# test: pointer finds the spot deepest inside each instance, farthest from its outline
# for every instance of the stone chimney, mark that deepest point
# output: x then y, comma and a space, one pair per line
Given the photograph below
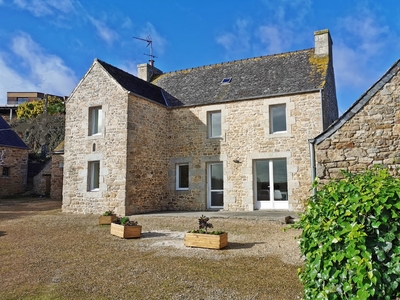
323, 43
147, 72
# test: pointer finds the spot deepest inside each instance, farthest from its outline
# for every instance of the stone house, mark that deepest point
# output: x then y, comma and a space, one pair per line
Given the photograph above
13, 161
231, 136
368, 133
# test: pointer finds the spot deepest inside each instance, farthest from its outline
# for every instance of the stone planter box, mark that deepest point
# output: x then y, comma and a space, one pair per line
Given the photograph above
210, 241
126, 232
107, 220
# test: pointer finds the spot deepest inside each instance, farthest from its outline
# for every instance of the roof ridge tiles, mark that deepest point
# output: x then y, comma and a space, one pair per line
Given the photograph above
236, 60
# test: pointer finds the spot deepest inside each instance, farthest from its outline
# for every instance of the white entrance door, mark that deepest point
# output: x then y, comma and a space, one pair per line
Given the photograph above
270, 184
215, 198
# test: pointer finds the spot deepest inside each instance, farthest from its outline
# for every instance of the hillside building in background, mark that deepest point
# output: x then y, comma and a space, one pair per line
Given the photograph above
14, 99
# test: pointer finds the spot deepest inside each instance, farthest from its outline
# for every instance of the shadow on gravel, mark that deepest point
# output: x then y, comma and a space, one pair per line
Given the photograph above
153, 234
2, 233
241, 245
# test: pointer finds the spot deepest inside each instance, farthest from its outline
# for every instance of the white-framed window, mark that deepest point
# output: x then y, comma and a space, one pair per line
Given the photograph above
182, 176
6, 172
94, 175
95, 120
277, 117
214, 124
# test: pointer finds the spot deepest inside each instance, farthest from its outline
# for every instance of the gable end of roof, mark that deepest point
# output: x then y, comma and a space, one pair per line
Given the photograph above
359, 104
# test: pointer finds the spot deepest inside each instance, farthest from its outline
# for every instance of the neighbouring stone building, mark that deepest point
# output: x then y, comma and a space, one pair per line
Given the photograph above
230, 136
13, 161
368, 133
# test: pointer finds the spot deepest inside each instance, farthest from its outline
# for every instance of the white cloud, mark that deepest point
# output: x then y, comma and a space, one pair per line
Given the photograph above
363, 41
277, 39
237, 41
103, 31
11, 81
42, 72
127, 23
41, 8
159, 43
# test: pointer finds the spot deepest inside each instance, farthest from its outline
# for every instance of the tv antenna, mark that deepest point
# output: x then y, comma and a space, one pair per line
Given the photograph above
149, 43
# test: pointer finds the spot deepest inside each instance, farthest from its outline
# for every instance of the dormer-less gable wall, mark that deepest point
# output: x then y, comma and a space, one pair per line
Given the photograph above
84, 148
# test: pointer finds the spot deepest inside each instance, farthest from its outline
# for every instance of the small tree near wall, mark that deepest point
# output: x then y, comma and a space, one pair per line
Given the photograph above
350, 238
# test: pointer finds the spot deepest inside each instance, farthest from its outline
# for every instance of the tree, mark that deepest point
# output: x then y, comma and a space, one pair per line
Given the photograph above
41, 124
50, 105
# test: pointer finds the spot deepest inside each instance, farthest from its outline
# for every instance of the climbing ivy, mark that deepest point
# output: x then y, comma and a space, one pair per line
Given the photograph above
350, 238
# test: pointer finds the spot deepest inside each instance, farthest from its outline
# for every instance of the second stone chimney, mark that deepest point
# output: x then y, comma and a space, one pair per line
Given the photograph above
323, 43
147, 72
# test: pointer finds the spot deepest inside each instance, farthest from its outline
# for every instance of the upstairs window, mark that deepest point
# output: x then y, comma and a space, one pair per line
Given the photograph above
182, 177
214, 124
94, 175
95, 120
277, 117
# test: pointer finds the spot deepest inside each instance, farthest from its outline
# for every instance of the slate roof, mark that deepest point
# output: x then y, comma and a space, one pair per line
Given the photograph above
359, 104
134, 84
8, 137
264, 76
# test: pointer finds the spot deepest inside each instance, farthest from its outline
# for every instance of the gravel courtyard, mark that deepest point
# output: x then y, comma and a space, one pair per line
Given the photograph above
46, 254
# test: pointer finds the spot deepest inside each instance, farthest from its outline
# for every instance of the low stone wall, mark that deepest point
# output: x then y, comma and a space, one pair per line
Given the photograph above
57, 168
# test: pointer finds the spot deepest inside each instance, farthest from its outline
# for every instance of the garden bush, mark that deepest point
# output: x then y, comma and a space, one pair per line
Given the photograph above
350, 238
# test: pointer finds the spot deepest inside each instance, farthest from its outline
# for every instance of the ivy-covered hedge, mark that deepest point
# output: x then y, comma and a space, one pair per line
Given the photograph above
350, 238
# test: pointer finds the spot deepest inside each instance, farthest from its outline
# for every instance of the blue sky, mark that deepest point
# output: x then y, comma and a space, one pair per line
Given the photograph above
48, 45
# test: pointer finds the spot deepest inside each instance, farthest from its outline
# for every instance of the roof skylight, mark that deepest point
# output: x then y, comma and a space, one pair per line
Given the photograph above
226, 80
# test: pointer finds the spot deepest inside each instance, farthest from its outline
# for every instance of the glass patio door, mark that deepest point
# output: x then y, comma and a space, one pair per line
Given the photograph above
215, 186
270, 184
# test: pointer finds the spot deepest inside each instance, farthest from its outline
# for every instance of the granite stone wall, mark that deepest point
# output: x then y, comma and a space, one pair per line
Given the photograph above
15, 160
57, 169
141, 142
245, 137
97, 88
42, 181
371, 136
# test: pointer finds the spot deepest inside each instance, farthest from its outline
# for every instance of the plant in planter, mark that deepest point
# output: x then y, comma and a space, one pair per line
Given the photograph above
107, 217
202, 238
125, 228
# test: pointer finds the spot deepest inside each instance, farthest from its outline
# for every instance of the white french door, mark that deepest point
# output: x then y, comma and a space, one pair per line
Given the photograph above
270, 184
215, 185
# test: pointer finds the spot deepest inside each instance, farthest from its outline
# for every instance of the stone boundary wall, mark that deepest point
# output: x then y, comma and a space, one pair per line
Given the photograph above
42, 181
57, 168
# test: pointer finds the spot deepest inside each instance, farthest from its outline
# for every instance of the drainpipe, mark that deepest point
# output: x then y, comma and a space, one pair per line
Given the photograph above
312, 162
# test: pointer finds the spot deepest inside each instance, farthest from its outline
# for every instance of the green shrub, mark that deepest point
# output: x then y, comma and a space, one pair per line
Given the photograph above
350, 238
